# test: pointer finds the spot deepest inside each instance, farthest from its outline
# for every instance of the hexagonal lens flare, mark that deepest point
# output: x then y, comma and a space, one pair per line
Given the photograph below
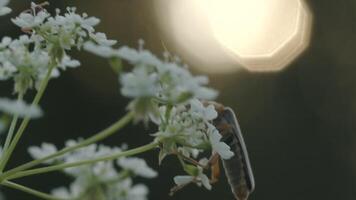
260, 35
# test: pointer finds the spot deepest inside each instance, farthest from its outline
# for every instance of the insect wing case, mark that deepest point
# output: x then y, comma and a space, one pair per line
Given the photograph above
229, 117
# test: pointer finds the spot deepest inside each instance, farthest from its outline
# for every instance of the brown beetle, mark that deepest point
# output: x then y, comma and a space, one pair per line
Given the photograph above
238, 168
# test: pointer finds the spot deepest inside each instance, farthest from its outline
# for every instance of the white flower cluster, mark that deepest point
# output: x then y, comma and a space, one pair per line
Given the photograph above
3, 9
49, 38
161, 90
102, 180
169, 95
188, 129
67, 31
153, 80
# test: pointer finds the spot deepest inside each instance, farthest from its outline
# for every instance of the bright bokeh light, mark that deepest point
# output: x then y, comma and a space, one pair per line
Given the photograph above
219, 35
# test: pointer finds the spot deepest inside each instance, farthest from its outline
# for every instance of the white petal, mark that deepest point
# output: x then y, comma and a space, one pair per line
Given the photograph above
5, 11
137, 166
182, 180
205, 181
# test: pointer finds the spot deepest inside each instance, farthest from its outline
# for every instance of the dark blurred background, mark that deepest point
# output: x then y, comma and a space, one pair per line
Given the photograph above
299, 124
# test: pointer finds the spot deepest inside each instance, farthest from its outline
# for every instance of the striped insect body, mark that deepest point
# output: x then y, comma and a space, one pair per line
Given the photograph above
238, 168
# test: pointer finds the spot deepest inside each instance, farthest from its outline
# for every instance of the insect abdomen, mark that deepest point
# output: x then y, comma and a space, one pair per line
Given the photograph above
234, 170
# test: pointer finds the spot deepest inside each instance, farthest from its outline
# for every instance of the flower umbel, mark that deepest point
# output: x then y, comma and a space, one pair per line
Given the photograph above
102, 179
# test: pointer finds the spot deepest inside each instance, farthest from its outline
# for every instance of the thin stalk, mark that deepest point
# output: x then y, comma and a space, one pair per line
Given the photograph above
26, 120
95, 138
12, 127
42, 170
29, 190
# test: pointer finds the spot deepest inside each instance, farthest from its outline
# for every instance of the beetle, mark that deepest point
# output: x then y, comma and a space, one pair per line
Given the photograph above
238, 168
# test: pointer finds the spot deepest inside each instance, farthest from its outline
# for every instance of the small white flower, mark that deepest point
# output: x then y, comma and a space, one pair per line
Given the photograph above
103, 179
127, 191
20, 108
183, 180
139, 83
102, 40
137, 192
7, 70
218, 146
199, 179
143, 57
5, 41
105, 171
61, 192
68, 62
28, 20
179, 85
137, 166
100, 50
207, 113
44, 150
3, 9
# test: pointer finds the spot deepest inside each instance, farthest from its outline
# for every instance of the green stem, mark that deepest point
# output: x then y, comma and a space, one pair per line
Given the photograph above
42, 170
99, 136
26, 120
12, 128
29, 190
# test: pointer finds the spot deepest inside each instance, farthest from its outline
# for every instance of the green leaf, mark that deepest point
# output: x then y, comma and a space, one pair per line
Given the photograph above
116, 65
191, 169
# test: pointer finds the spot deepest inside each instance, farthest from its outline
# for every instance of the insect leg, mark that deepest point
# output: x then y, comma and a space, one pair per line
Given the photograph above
215, 168
177, 188
191, 160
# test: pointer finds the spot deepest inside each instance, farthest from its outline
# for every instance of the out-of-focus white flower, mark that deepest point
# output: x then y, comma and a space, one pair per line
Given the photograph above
139, 83
3, 9
61, 192
176, 83
5, 41
138, 57
102, 179
27, 20
105, 171
102, 40
137, 192
68, 62
137, 166
20, 108
199, 179
179, 85
44, 150
218, 146
100, 50
127, 191
28, 59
